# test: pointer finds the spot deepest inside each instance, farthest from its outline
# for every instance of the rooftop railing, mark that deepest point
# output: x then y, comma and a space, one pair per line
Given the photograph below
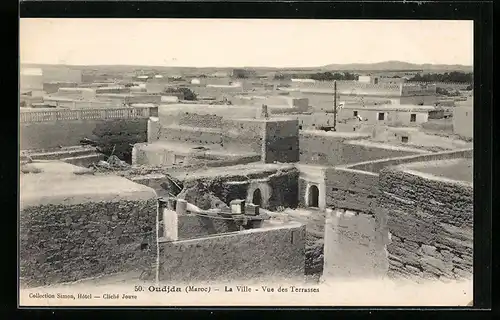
139, 112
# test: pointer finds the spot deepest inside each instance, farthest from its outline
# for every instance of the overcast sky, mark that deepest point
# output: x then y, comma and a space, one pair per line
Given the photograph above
233, 43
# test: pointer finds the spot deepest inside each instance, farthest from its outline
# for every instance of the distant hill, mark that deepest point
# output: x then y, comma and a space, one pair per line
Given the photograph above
398, 66
353, 67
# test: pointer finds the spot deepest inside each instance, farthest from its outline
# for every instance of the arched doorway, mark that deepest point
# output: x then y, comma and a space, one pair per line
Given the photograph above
257, 197
313, 196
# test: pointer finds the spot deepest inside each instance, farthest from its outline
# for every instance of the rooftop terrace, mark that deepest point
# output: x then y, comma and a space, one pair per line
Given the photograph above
62, 183
453, 169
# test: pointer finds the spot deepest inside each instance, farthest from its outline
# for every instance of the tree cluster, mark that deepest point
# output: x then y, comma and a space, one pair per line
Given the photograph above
188, 93
319, 76
454, 76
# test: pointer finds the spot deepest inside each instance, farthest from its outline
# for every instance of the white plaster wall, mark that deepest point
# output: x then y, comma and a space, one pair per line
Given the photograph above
353, 247
153, 129
322, 194
265, 191
170, 225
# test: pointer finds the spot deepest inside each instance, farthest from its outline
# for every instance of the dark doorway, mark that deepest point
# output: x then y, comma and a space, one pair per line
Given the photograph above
257, 197
313, 196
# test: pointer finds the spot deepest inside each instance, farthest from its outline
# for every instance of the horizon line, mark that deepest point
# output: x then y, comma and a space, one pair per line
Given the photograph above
260, 66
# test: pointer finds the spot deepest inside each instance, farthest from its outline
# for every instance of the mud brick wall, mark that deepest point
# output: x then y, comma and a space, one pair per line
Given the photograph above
243, 134
191, 226
430, 223
267, 253
351, 189
107, 133
187, 134
200, 120
281, 141
64, 243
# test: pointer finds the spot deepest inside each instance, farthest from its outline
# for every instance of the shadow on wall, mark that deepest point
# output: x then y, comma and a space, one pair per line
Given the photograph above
112, 136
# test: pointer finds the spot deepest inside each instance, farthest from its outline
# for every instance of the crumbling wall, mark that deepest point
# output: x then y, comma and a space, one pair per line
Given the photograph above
430, 221
64, 243
255, 254
283, 187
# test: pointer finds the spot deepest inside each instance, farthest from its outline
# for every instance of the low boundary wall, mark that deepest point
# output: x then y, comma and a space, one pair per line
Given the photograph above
368, 206
257, 254
430, 221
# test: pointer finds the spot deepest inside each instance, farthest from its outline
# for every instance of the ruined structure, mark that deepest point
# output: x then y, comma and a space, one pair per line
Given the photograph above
82, 225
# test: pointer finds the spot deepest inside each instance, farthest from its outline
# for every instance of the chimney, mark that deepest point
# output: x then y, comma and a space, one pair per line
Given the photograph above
264, 114
237, 206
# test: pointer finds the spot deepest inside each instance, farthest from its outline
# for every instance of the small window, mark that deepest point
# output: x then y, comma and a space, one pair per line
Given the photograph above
381, 116
404, 139
413, 117
355, 113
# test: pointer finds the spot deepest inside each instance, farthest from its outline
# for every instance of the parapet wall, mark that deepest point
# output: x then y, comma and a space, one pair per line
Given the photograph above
347, 86
65, 243
430, 221
376, 165
196, 120
275, 253
330, 149
113, 128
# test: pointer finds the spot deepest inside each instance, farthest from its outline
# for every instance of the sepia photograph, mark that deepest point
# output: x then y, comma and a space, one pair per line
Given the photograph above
245, 162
